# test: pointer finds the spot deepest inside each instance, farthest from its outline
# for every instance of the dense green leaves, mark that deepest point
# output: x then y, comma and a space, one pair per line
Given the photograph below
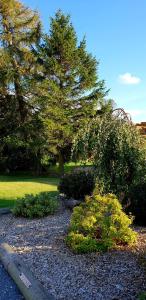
70, 76
77, 184
99, 224
37, 206
49, 85
19, 135
116, 148
20, 30
136, 199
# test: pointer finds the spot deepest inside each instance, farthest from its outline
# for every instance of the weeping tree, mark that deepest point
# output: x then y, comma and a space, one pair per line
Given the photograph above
71, 90
20, 31
116, 149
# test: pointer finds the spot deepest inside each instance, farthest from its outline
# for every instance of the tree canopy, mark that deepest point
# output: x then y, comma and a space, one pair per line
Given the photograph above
20, 30
70, 80
49, 87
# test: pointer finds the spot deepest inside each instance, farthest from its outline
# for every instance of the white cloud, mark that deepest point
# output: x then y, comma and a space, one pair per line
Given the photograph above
128, 78
135, 112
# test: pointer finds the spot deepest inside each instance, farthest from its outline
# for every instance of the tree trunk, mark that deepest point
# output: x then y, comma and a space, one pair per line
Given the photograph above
38, 167
61, 163
19, 97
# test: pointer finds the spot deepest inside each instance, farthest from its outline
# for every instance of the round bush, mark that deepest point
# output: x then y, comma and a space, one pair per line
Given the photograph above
36, 206
137, 207
99, 224
77, 184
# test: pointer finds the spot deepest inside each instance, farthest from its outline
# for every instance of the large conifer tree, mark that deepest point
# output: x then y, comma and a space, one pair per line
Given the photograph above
20, 31
73, 91
47, 90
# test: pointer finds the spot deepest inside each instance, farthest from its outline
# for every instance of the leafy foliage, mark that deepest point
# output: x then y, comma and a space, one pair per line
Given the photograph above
99, 224
77, 184
116, 149
36, 206
142, 296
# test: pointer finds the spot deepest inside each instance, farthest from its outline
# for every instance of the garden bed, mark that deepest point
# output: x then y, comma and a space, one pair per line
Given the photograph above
112, 275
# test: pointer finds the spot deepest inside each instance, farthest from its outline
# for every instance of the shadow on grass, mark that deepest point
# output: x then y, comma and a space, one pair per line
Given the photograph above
44, 180
7, 203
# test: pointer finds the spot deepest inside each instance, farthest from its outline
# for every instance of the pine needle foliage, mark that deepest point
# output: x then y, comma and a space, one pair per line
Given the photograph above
70, 76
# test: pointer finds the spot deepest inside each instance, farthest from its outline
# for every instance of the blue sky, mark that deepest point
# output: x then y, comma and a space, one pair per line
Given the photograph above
116, 34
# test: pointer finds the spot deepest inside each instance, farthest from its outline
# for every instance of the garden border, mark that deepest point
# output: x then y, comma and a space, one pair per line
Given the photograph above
29, 286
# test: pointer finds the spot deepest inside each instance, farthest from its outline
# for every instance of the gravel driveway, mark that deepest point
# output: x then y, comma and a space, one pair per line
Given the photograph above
115, 275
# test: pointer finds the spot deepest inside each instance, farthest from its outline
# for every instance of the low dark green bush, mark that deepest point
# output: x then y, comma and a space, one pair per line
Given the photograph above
77, 184
137, 199
36, 206
142, 296
99, 224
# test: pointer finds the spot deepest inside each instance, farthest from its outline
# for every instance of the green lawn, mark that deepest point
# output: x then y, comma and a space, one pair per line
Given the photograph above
68, 167
12, 187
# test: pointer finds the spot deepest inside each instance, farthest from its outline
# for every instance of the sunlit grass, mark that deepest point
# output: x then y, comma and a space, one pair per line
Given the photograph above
12, 188
69, 167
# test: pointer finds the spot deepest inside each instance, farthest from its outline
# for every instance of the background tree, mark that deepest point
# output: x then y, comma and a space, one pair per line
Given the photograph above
19, 32
72, 91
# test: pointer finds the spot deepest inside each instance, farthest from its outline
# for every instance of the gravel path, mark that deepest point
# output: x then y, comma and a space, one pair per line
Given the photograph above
115, 275
8, 290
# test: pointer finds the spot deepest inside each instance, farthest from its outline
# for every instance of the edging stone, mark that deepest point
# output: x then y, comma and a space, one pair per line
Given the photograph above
4, 211
29, 286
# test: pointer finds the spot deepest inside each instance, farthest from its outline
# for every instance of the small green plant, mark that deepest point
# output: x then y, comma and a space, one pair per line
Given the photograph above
37, 206
99, 224
142, 296
77, 184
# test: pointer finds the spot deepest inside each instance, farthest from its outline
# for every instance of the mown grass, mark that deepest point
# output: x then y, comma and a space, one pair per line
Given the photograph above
12, 187
68, 167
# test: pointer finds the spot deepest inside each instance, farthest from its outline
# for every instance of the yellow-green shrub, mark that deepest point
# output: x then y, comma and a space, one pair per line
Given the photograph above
99, 224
